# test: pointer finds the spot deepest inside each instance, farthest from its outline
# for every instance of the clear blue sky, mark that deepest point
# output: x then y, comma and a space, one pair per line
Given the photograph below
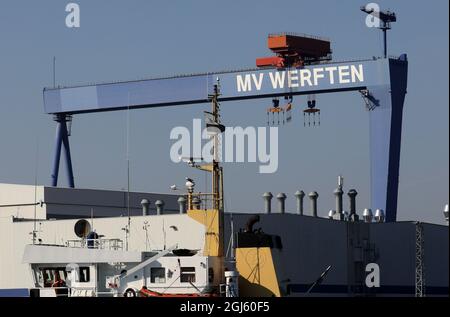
121, 40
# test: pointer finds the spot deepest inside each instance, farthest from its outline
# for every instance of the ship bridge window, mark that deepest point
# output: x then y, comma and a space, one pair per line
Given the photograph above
52, 276
157, 275
47, 277
84, 274
187, 274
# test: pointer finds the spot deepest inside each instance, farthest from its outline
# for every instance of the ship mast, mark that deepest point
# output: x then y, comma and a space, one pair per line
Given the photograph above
212, 209
214, 128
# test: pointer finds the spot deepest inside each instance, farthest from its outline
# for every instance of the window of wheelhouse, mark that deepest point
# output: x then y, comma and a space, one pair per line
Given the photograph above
187, 274
157, 275
52, 276
84, 274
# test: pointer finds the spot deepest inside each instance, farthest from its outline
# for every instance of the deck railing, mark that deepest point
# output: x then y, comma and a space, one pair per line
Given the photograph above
203, 201
106, 244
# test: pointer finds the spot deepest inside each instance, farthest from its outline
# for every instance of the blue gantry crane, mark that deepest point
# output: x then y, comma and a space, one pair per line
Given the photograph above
381, 81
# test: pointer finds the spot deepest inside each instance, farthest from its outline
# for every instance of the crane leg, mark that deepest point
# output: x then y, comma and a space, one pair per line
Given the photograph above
385, 138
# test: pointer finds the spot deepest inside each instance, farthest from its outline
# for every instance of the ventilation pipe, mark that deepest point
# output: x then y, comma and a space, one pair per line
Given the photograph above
367, 215
339, 209
299, 195
379, 215
446, 213
250, 223
313, 197
281, 197
352, 197
159, 207
182, 204
345, 215
267, 202
145, 203
331, 214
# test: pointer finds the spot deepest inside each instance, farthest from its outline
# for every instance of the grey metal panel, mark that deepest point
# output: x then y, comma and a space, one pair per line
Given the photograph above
395, 243
310, 244
436, 240
53, 254
72, 202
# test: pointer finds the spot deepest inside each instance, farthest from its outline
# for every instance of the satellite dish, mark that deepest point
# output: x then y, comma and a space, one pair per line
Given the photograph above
82, 228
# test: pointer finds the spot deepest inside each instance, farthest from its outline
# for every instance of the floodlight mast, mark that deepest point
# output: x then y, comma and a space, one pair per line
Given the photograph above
385, 17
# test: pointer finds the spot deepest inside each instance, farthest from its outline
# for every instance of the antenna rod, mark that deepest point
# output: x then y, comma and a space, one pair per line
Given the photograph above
54, 71
233, 259
128, 173
35, 191
92, 218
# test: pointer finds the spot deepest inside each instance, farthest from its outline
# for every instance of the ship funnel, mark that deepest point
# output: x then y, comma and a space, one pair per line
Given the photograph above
313, 197
281, 197
145, 203
379, 215
367, 215
446, 213
299, 195
352, 197
159, 207
182, 204
267, 196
